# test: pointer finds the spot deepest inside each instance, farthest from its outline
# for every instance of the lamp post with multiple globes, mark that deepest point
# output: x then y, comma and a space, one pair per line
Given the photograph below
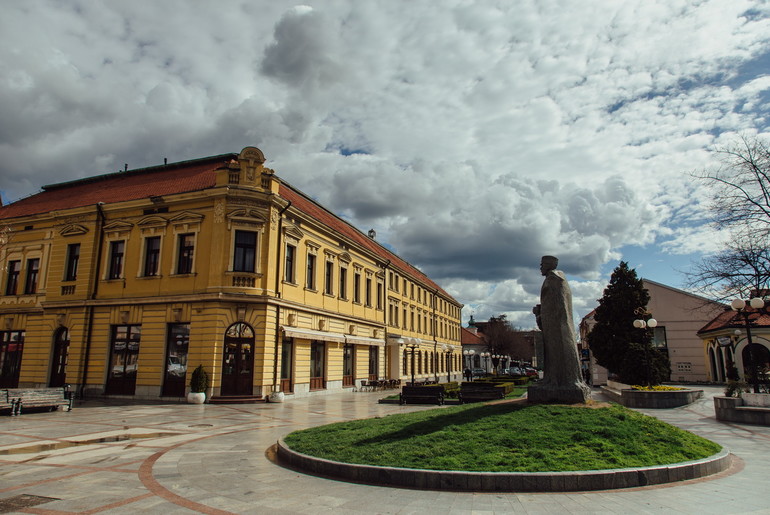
644, 323
758, 307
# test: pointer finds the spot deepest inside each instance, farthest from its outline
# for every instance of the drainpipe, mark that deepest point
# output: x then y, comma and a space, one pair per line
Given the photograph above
92, 296
276, 386
435, 340
385, 313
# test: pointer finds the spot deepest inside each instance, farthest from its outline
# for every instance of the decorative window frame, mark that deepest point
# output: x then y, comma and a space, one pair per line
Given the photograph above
311, 249
186, 222
292, 236
118, 230
149, 227
246, 220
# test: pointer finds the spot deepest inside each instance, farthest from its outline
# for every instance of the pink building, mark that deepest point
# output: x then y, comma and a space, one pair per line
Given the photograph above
680, 316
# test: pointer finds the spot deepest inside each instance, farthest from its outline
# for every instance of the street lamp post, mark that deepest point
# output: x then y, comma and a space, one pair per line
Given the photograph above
495, 362
469, 353
758, 306
644, 323
448, 350
485, 360
412, 347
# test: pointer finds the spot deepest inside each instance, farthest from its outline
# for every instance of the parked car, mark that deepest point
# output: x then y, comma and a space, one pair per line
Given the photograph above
515, 371
530, 372
479, 372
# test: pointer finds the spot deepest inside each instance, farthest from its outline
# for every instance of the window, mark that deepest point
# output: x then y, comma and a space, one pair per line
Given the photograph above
379, 295
289, 265
374, 366
186, 252
348, 359
286, 365
311, 271
33, 269
11, 348
659, 337
117, 249
151, 256
245, 251
73, 258
124, 360
368, 292
317, 368
12, 286
329, 288
343, 283
177, 345
357, 288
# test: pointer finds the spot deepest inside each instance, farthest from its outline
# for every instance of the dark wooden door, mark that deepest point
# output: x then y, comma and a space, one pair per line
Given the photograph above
238, 361
11, 348
61, 347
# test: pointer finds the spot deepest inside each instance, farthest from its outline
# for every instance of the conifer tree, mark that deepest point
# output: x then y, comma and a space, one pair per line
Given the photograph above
614, 341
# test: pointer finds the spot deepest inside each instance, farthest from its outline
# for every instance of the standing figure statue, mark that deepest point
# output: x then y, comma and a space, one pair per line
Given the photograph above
562, 379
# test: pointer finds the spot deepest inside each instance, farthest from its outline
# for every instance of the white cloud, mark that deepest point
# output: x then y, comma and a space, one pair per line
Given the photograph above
482, 136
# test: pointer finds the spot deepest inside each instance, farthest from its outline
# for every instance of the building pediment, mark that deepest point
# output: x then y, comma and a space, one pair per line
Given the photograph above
118, 226
73, 230
187, 217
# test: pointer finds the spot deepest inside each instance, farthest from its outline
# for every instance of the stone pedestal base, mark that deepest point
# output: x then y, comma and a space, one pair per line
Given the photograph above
543, 394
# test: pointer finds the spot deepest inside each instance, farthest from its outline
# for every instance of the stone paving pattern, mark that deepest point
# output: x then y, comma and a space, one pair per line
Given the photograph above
217, 459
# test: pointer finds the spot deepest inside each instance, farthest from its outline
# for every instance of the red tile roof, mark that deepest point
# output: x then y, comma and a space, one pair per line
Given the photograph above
120, 187
730, 319
468, 337
184, 177
308, 206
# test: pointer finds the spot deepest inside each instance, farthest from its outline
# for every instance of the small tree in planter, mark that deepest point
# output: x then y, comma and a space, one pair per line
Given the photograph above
199, 383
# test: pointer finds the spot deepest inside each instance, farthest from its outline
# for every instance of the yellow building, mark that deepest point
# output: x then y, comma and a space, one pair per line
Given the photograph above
121, 284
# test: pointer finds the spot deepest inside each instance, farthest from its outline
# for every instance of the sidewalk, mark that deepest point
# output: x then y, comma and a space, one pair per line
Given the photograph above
184, 458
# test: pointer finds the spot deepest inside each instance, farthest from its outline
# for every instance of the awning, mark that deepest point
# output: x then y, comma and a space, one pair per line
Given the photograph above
309, 334
363, 340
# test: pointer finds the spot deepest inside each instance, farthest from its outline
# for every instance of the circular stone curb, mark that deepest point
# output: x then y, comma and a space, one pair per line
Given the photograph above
573, 481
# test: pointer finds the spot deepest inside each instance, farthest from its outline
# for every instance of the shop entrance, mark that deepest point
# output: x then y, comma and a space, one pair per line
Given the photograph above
238, 361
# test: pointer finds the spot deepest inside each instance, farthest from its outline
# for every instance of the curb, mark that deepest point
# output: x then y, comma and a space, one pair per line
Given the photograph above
505, 481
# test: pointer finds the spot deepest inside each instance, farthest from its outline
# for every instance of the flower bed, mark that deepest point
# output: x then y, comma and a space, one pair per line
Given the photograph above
656, 398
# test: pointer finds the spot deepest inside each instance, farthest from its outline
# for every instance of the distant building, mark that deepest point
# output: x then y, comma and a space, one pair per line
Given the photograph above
119, 284
680, 315
524, 347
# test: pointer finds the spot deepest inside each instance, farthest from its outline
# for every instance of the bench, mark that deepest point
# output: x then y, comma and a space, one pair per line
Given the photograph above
480, 392
7, 402
24, 398
422, 395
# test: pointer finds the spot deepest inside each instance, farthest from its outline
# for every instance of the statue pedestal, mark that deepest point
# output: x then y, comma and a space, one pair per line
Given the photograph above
548, 394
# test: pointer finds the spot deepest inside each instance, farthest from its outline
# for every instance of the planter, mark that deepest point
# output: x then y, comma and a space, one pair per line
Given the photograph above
625, 395
736, 409
196, 397
659, 400
761, 400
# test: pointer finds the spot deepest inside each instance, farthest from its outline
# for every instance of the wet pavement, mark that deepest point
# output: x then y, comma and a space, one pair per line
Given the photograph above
181, 458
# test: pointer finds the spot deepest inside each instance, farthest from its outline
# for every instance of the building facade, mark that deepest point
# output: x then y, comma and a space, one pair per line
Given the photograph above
121, 284
680, 315
725, 341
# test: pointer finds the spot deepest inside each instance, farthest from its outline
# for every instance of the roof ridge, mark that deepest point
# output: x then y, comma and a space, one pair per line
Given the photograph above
135, 171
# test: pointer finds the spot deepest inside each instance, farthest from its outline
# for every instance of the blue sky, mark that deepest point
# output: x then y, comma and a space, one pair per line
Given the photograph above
473, 138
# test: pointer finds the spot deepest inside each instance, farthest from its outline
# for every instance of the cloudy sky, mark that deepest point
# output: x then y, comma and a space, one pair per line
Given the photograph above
474, 137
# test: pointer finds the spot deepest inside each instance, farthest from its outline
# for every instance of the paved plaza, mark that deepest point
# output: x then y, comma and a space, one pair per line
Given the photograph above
106, 456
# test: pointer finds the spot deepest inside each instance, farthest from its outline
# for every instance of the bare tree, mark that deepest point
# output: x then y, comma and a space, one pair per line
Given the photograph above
740, 189
740, 270
741, 186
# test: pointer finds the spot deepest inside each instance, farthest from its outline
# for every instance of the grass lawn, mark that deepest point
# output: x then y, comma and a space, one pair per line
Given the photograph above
512, 437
